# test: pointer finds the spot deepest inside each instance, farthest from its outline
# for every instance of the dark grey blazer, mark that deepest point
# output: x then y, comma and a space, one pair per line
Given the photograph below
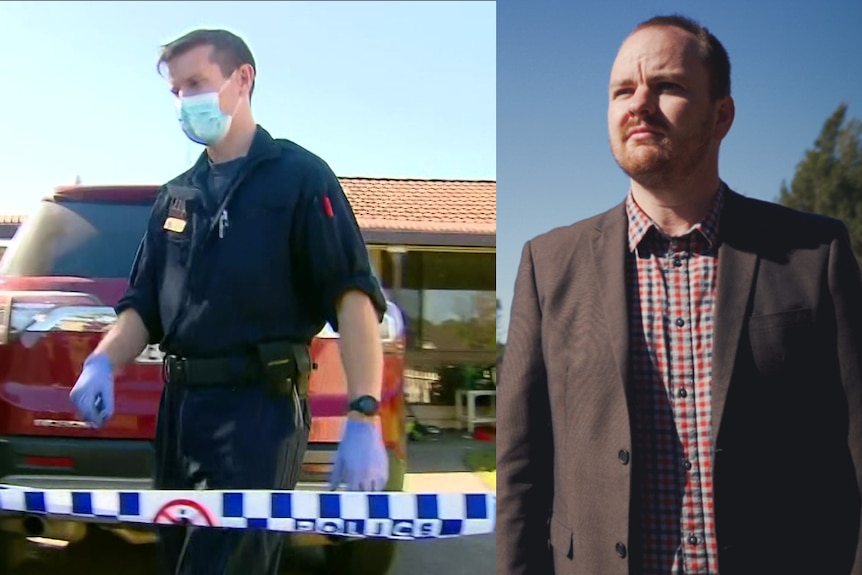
787, 400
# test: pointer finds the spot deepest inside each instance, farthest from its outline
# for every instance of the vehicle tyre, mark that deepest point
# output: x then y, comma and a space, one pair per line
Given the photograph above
365, 557
13, 552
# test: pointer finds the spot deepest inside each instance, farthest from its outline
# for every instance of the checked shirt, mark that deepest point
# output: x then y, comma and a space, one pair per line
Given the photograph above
672, 290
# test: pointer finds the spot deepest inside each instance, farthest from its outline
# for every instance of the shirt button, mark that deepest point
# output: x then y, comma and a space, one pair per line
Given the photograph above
687, 464
621, 550
682, 392
677, 262
680, 322
624, 456
692, 539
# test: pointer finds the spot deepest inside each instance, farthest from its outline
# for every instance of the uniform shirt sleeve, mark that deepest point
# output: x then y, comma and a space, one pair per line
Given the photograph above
335, 258
142, 293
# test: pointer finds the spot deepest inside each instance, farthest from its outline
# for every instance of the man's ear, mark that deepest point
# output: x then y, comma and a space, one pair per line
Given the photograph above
246, 77
725, 112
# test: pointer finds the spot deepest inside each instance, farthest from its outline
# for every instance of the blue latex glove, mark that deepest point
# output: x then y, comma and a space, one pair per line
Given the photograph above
361, 461
93, 394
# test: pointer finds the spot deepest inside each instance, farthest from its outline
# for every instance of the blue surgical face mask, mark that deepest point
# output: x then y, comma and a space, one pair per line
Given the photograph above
201, 118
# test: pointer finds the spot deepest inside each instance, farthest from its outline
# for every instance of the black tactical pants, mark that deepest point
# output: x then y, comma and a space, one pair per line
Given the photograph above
226, 438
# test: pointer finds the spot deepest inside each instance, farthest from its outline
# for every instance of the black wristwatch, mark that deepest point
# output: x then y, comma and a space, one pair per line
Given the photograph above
365, 404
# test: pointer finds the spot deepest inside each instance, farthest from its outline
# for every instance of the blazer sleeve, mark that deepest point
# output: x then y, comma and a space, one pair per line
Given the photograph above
845, 287
524, 437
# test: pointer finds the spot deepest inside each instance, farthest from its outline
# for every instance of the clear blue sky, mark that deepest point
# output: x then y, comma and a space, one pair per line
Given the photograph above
792, 61
397, 89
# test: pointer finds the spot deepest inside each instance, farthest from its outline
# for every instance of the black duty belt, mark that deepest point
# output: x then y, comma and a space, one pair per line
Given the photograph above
233, 371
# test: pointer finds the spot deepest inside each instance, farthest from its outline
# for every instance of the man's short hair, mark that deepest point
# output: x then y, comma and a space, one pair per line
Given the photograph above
712, 53
229, 51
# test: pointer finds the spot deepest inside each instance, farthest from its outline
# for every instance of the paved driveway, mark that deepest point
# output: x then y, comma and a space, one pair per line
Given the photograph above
436, 465
106, 555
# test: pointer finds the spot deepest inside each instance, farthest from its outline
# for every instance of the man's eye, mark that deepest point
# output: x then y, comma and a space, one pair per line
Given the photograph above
668, 86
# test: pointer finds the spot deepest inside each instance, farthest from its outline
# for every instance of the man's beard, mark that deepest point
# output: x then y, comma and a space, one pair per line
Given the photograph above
661, 163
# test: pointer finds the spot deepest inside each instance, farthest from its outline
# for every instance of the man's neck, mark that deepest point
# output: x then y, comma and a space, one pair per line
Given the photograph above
676, 210
237, 142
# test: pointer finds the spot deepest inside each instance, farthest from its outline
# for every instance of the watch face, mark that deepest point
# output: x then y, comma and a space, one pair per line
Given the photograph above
366, 405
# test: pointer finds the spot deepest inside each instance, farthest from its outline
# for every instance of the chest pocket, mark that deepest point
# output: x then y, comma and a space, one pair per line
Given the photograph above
780, 341
260, 231
254, 255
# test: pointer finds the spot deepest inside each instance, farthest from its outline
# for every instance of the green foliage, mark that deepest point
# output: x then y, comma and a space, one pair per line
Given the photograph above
828, 180
482, 459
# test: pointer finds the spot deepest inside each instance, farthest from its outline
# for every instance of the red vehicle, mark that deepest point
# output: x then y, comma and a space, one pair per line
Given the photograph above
66, 267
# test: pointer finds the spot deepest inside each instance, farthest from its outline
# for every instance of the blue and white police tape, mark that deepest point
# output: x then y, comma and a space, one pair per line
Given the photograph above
389, 515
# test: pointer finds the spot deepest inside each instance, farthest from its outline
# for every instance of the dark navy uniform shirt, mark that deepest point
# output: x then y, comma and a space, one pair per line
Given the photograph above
289, 247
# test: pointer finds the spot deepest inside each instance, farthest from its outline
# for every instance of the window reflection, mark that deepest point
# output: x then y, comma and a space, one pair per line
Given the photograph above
449, 303
460, 320
448, 298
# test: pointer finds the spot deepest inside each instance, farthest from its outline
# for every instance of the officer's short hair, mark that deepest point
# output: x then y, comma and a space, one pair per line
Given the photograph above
712, 53
229, 50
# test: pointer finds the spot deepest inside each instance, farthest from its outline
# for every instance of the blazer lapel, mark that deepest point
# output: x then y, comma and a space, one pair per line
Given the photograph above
609, 249
737, 262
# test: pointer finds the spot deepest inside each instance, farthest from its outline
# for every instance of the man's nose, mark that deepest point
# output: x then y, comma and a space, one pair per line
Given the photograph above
643, 102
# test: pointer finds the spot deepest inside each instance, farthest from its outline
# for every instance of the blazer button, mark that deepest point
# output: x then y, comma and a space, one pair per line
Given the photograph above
624, 456
621, 551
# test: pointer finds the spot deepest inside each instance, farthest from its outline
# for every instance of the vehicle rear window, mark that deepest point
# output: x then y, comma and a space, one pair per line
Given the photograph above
74, 238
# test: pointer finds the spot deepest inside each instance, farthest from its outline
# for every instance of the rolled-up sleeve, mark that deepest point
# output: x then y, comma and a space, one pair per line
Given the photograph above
330, 244
142, 292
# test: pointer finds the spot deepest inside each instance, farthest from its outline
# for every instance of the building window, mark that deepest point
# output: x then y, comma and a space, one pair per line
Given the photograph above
449, 299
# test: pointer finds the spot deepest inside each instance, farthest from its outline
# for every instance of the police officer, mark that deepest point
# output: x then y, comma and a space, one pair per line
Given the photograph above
245, 258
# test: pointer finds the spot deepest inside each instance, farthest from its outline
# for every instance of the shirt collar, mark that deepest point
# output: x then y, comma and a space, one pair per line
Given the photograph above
640, 224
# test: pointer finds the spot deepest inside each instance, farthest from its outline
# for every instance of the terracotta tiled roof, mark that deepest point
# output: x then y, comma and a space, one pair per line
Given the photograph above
412, 205
456, 206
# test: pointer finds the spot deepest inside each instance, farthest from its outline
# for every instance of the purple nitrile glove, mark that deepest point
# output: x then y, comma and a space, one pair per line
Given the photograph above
93, 394
361, 461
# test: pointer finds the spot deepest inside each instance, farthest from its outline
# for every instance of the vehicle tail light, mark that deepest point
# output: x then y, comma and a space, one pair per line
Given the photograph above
42, 312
